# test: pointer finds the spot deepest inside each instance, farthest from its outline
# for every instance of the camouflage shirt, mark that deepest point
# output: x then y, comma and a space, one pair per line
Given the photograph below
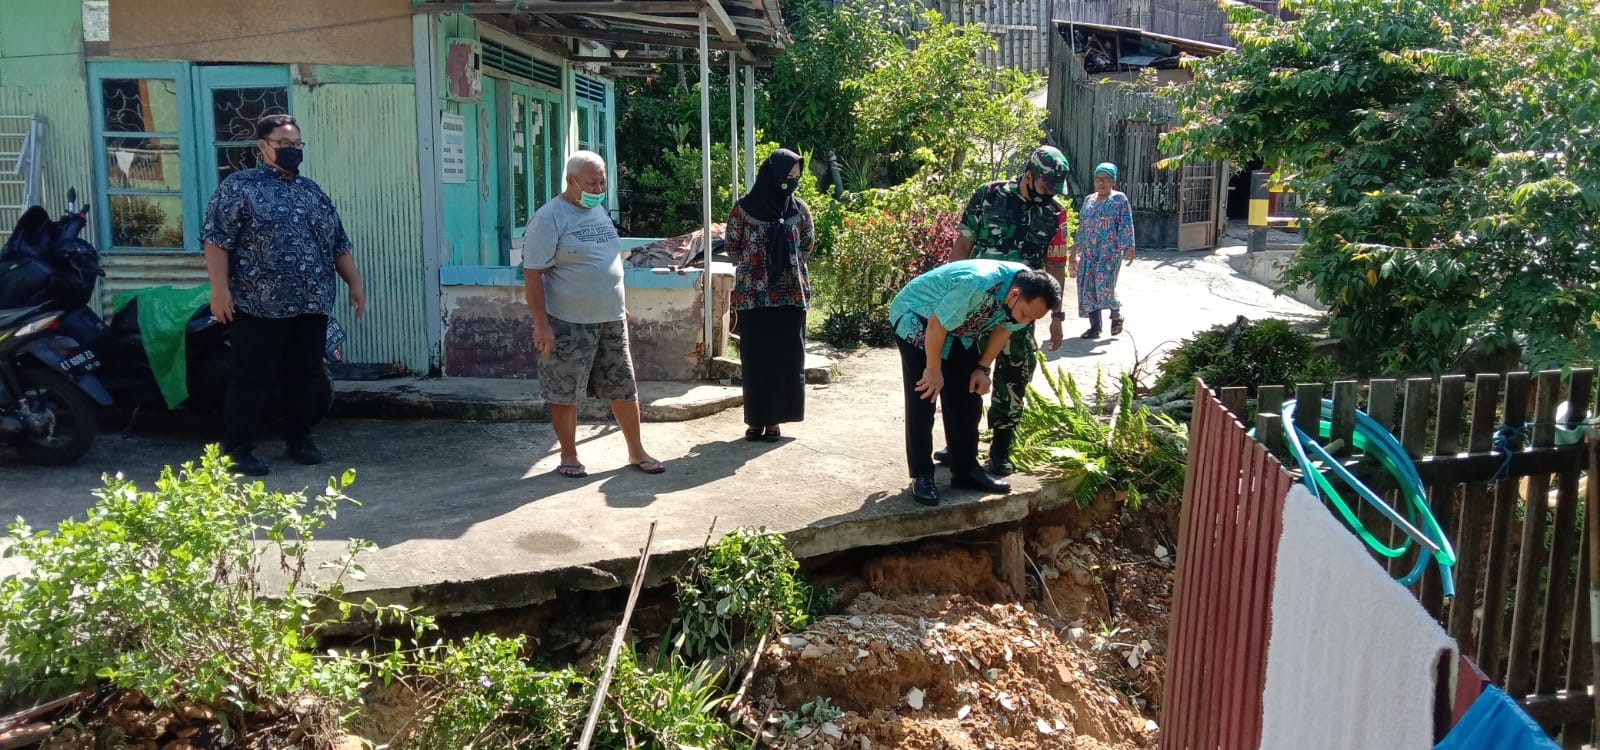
1004, 226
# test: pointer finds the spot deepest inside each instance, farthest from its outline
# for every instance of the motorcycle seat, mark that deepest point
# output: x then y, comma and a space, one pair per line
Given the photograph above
14, 314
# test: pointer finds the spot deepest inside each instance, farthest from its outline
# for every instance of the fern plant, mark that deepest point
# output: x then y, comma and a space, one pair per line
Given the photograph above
1108, 444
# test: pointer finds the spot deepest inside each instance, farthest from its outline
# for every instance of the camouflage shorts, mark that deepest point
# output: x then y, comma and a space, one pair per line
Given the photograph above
588, 358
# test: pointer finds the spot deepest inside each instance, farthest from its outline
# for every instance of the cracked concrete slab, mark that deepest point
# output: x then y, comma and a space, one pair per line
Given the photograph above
471, 515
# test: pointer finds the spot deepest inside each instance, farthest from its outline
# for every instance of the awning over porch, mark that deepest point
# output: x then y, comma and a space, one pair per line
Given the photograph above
638, 32
635, 34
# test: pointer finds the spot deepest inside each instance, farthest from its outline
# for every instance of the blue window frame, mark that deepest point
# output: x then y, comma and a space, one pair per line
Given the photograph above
165, 134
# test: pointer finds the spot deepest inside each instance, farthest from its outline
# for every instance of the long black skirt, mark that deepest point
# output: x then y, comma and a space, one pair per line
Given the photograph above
772, 349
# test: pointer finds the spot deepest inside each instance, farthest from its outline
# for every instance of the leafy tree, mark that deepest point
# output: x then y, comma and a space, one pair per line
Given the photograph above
1445, 156
808, 104
933, 100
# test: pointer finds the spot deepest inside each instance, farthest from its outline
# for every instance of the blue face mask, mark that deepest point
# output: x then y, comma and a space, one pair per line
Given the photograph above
592, 200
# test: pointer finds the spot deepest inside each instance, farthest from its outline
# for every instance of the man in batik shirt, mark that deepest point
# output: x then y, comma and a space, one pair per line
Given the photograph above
273, 244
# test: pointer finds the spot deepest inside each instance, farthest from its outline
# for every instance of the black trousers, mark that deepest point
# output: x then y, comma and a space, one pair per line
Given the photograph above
962, 409
772, 348
269, 356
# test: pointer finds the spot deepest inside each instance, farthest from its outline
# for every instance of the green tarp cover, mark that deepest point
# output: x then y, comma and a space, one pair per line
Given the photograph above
164, 314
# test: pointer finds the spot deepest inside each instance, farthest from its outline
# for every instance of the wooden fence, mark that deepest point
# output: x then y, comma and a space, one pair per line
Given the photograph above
1233, 495
1488, 455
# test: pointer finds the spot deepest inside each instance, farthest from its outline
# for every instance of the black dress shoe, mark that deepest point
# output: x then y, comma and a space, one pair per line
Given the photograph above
249, 464
924, 491
942, 456
978, 479
305, 452
1000, 468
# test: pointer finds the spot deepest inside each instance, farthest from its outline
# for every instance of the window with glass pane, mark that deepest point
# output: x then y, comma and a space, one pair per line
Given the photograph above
585, 129
555, 173
519, 163
143, 156
235, 112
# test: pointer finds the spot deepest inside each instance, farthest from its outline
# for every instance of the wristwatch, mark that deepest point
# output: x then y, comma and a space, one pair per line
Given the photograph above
983, 368
1058, 315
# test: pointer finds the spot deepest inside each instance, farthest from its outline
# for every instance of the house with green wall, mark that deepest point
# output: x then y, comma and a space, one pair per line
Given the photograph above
437, 129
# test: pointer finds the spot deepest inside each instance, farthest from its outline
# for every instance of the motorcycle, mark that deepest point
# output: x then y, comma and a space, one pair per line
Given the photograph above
48, 264
48, 392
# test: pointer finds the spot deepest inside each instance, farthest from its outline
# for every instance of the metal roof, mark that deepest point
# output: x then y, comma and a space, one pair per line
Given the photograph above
1191, 46
638, 32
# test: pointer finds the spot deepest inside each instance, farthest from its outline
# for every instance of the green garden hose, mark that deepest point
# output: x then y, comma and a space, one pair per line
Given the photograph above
1371, 437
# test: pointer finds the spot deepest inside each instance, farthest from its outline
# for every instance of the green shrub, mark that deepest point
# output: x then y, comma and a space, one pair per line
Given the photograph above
672, 198
1108, 444
158, 591
487, 696
745, 584
1243, 353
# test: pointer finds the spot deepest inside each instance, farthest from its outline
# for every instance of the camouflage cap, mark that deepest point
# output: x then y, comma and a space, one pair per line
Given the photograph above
1048, 162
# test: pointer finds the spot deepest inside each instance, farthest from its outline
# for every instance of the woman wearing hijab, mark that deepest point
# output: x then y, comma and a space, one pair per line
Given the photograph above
1105, 240
770, 235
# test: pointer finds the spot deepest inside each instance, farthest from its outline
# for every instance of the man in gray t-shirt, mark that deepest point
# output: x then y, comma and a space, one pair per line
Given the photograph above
572, 258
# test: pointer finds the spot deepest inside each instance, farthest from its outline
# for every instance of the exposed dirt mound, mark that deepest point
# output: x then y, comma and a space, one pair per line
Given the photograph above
940, 671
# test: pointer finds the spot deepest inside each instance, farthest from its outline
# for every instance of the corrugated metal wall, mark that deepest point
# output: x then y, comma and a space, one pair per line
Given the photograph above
1233, 495
1095, 122
1020, 27
1201, 20
65, 110
361, 146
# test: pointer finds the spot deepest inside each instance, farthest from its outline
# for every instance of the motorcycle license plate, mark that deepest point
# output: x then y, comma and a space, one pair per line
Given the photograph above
83, 361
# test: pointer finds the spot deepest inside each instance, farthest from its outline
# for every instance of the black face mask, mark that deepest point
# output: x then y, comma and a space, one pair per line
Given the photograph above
1011, 312
787, 187
1035, 194
289, 158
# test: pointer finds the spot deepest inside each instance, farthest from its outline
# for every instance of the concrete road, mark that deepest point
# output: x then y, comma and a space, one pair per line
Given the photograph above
467, 514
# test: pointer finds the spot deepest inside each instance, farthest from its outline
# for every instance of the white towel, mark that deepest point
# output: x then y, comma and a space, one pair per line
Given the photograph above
1352, 660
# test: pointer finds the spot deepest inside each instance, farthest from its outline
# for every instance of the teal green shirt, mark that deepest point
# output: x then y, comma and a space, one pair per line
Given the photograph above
968, 296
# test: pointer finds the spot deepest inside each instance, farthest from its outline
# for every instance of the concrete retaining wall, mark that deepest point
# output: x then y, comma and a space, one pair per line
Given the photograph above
1267, 267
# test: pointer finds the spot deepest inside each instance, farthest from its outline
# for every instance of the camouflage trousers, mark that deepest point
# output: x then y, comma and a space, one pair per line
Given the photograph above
1013, 371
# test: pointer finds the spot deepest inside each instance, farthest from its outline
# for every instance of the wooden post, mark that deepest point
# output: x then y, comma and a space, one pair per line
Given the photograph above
1499, 565
1013, 563
1520, 672
1269, 417
1414, 414
1308, 408
1345, 393
1552, 644
1235, 398
1475, 505
616, 643
1442, 497
1380, 406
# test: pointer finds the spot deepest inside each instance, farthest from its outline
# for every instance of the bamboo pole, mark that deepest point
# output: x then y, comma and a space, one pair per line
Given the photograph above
616, 644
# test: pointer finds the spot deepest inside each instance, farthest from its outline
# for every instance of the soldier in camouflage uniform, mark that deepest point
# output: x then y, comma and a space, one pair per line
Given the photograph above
1015, 220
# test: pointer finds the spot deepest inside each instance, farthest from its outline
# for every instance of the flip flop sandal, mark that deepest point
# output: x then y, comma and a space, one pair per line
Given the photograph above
650, 466
1116, 326
772, 436
1092, 333
753, 434
572, 471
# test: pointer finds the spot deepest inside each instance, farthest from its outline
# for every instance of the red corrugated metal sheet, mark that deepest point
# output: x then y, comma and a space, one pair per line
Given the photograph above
1228, 538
